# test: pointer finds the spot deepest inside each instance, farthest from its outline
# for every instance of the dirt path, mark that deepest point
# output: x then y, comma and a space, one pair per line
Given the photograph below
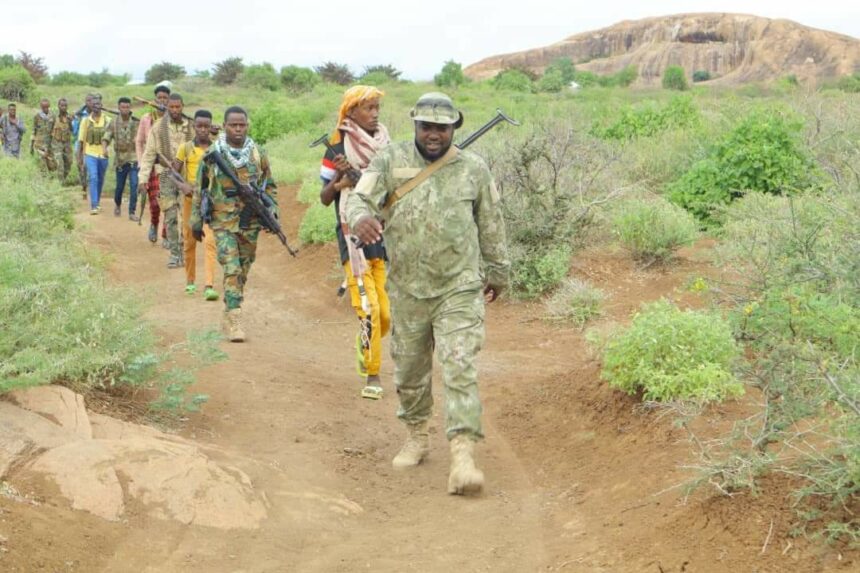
571, 467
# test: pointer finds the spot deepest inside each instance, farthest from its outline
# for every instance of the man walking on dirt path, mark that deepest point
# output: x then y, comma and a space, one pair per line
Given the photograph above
121, 132
235, 225
92, 153
11, 130
149, 180
80, 116
445, 239
165, 138
187, 162
355, 141
61, 140
43, 124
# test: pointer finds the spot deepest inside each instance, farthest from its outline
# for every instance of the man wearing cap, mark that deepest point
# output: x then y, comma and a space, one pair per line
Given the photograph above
445, 239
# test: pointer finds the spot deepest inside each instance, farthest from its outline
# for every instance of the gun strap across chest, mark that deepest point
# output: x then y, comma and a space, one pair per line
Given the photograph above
422, 176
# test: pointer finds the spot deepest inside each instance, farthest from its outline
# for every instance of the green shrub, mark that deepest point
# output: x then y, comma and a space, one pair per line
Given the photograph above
261, 76
551, 82
16, 84
309, 192
653, 230
335, 73
574, 301
380, 73
451, 75
673, 354
701, 76
513, 80
764, 153
565, 67
645, 121
850, 84
164, 71
674, 78
298, 79
586, 79
539, 270
271, 121
318, 224
227, 71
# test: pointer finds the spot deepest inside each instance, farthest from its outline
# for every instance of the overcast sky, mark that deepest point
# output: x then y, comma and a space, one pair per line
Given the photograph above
416, 37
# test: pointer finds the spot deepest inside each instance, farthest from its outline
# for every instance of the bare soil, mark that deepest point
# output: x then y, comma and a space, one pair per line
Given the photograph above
574, 470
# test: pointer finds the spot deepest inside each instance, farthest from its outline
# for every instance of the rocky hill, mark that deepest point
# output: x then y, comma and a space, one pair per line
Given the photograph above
734, 48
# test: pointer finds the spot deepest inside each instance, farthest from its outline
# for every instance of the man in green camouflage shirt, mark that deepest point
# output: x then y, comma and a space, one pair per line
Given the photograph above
43, 125
446, 246
61, 140
122, 132
235, 226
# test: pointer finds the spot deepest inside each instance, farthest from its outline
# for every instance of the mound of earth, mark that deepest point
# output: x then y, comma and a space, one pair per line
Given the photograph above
733, 48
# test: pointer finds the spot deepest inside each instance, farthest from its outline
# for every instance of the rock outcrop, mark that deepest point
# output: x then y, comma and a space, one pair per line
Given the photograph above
102, 465
733, 48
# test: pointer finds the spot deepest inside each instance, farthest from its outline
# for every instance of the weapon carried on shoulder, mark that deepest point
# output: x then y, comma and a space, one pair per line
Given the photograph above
214, 129
497, 119
353, 173
116, 113
253, 197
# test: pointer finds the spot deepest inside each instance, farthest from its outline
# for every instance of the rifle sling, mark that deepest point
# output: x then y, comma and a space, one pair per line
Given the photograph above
421, 177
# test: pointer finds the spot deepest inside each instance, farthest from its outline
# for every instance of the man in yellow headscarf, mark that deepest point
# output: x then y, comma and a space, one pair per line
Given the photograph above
355, 141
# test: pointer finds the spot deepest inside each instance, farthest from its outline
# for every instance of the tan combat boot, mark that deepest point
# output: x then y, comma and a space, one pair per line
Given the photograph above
464, 477
416, 448
232, 323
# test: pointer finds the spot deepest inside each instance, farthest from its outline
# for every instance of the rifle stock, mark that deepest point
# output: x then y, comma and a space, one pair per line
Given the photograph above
214, 129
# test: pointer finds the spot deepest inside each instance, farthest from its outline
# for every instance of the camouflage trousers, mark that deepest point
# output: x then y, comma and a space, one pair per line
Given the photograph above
236, 254
63, 159
168, 202
452, 327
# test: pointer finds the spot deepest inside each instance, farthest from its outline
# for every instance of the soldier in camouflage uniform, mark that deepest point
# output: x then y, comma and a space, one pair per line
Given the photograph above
121, 132
61, 140
236, 227
43, 125
446, 247
165, 138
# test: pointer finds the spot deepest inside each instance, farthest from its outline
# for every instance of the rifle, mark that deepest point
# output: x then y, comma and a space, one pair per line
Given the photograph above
115, 112
253, 197
357, 260
174, 174
213, 129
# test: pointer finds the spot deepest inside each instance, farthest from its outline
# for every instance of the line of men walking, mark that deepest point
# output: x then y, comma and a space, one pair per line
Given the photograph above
443, 258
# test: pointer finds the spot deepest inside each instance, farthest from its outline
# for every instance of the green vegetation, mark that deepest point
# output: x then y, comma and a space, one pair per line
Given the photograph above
260, 76
764, 152
299, 80
674, 78
649, 119
228, 71
451, 75
60, 321
318, 224
652, 230
701, 76
575, 301
164, 71
15, 83
671, 354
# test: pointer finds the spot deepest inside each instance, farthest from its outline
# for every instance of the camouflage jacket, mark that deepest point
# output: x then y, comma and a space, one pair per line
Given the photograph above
177, 134
447, 233
122, 133
42, 128
61, 132
228, 210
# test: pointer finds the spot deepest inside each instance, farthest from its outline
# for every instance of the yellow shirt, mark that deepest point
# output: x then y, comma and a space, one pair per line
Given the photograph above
93, 149
190, 160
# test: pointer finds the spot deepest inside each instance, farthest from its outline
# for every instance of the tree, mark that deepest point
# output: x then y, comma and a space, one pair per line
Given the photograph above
34, 66
701, 76
451, 75
335, 73
674, 78
16, 83
387, 70
563, 66
227, 72
298, 79
7, 61
163, 71
261, 76
626, 76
